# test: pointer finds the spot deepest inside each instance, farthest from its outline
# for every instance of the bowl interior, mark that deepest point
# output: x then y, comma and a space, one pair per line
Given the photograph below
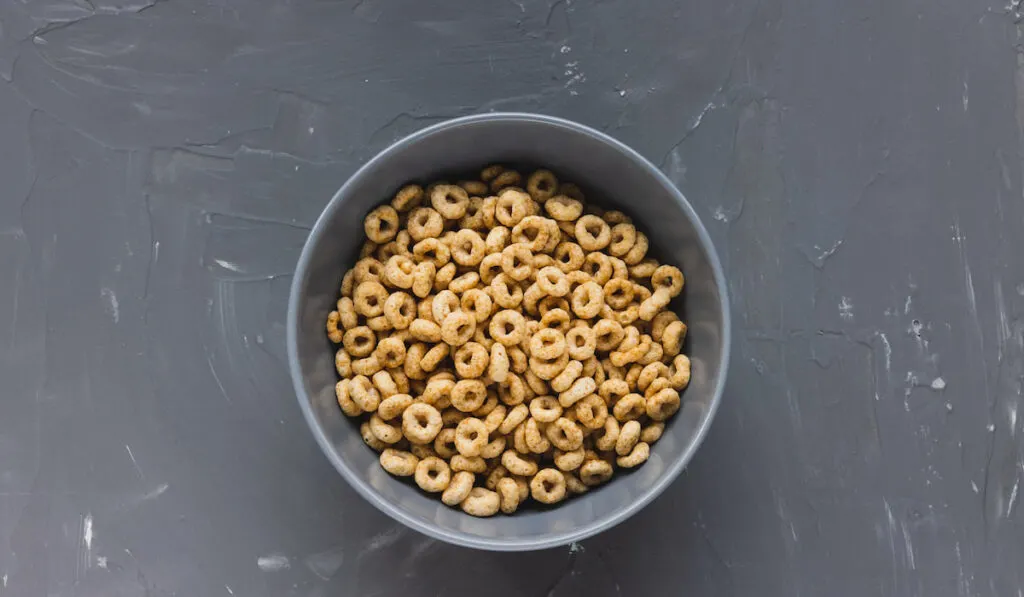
616, 178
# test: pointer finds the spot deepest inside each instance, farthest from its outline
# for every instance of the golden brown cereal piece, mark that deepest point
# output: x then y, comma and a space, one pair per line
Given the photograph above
599, 267
498, 365
474, 187
384, 431
494, 448
343, 363
618, 293
473, 464
591, 412
347, 313
649, 373
592, 233
468, 248
470, 437
548, 369
381, 225
569, 257
548, 486
663, 405
517, 261
581, 342
673, 338
434, 357
495, 418
333, 333
533, 435
400, 310
364, 394
507, 178
367, 269
384, 383
669, 278
659, 384
644, 269
449, 200
398, 463
513, 391
423, 278
519, 440
606, 437
421, 423
508, 327
433, 474
398, 270
393, 406
369, 298
587, 300
578, 391
390, 352
379, 324
471, 360
554, 316
623, 237
517, 360
490, 268
513, 419
552, 281
655, 303
563, 208
574, 485
569, 460
518, 464
444, 443
545, 409
425, 331
496, 474
413, 357
432, 250
464, 282
595, 472
639, 250
679, 372
370, 439
481, 502
630, 407
547, 344
639, 455
652, 432
468, 395
541, 185
511, 207
458, 488
629, 435
564, 380
564, 434
458, 328
477, 303
343, 391
444, 303
407, 197
534, 233
508, 492
489, 404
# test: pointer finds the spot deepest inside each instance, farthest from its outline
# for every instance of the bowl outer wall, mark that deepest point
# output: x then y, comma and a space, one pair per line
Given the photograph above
614, 176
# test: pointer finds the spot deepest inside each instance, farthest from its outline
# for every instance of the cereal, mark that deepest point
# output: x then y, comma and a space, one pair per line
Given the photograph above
501, 341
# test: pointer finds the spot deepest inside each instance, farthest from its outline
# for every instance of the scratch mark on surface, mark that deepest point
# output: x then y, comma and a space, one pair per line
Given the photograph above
228, 265
230, 592
891, 533
326, 563
87, 534
907, 303
157, 492
888, 351
216, 378
965, 98
113, 306
134, 462
908, 546
273, 563
382, 540
1013, 497
846, 308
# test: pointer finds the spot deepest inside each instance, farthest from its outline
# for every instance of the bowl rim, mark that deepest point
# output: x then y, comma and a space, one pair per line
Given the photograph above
555, 539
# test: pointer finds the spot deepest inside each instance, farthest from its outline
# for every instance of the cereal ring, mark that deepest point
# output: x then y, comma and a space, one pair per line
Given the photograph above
654, 351
673, 338
531, 298
574, 485
367, 269
615, 217
556, 319
623, 237
343, 392
490, 268
644, 269
599, 267
541, 185
552, 281
474, 187
333, 333
369, 298
563, 209
343, 363
533, 434
564, 380
385, 432
533, 232
444, 303
423, 279
652, 432
581, 342
659, 384
391, 352
407, 197
660, 322
458, 328
639, 455
548, 486
432, 250
511, 207
587, 300
608, 334
497, 239
629, 435
368, 249
421, 423
470, 437
433, 475
545, 409
663, 405
513, 391
400, 310
547, 344
507, 178
379, 324
679, 372
413, 356
498, 364
348, 282
519, 440
496, 474
633, 374
494, 448
468, 248
381, 224
370, 439
651, 306
477, 303
595, 472
592, 412
569, 257
506, 292
564, 434
481, 502
434, 356
444, 443
468, 394
458, 488
518, 465
576, 278
649, 373
385, 384
489, 404
393, 406
347, 315
495, 418
398, 463
569, 460
425, 331
508, 327
548, 369
444, 276
517, 261
639, 250
606, 437
669, 278
471, 360
473, 464
630, 407
424, 223
592, 233
518, 361
579, 390
513, 419
398, 272
508, 492
449, 200
364, 394
618, 293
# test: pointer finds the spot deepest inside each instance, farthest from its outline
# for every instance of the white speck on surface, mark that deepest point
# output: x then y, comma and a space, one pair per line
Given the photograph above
101, 561
565, 49
719, 214
888, 351
138, 469
826, 253
273, 563
230, 592
156, 250
906, 304
622, 93
975, 488
5, 580
1013, 498
938, 384
575, 548
846, 308
228, 265
87, 532
991, 427
113, 306
949, 407
965, 98
1020, 289
311, 130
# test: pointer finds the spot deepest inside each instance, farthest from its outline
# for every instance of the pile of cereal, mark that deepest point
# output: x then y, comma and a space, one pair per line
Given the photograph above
502, 344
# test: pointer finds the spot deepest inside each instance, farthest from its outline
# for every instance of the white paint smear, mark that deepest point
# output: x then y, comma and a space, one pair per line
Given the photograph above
273, 563
228, 265
87, 532
938, 384
113, 307
846, 308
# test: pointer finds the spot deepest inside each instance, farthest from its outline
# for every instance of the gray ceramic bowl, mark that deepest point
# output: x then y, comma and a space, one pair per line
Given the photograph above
611, 175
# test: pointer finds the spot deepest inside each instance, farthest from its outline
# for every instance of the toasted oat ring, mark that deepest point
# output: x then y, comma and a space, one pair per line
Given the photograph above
629, 436
564, 380
512, 206
473, 464
444, 276
333, 333
655, 303
432, 250
569, 257
533, 232
498, 364
564, 434
471, 360
433, 357
393, 406
536, 440
477, 303
563, 208
548, 369
458, 328
569, 460
673, 338
407, 197
652, 432
595, 472
552, 281
398, 462
468, 249
518, 465
556, 319
515, 416
343, 363
669, 278
423, 278
644, 269
384, 431
547, 344
391, 352
381, 224
592, 233
639, 455
476, 215
618, 293
541, 185
421, 423
385, 384
663, 405
468, 395
433, 475
639, 250
679, 372
592, 412
649, 373
578, 391
599, 267
506, 292
506, 178
458, 488
581, 342
587, 300
545, 409
481, 502
490, 268
343, 392
347, 315
508, 492
513, 391
517, 261
398, 271
660, 322
425, 330
623, 237
359, 341
548, 486
449, 200
470, 437
444, 303
608, 334
369, 298
474, 187
606, 437
444, 443
508, 327
630, 407
424, 223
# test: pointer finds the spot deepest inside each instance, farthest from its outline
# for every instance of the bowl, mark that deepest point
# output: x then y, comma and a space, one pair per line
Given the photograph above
611, 175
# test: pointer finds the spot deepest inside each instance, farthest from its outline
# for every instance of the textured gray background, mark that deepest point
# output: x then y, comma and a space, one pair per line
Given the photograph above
858, 165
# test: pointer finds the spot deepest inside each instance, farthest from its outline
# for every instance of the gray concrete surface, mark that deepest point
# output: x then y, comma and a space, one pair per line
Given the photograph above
858, 164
